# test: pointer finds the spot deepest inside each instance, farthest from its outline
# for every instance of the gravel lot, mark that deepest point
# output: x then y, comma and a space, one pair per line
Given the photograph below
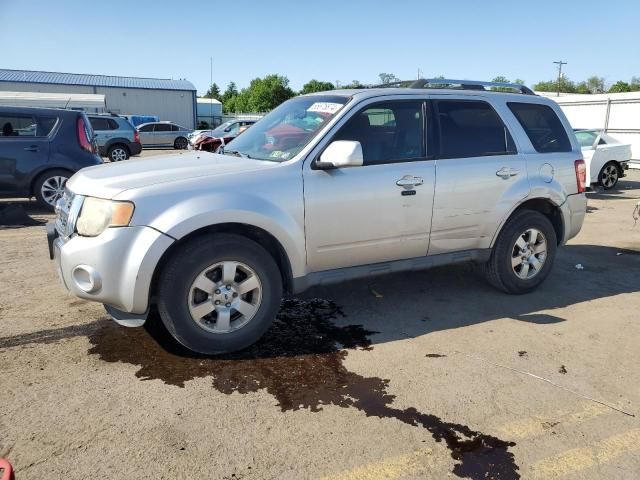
423, 375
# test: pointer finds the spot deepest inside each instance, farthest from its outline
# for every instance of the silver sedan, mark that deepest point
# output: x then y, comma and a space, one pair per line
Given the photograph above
163, 134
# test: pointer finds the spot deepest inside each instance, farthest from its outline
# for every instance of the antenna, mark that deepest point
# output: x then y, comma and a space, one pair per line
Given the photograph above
67, 104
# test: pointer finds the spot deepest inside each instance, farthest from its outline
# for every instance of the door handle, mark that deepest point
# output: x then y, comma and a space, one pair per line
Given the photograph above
507, 172
32, 148
409, 181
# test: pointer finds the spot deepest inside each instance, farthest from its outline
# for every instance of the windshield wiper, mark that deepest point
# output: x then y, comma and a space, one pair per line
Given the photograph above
235, 153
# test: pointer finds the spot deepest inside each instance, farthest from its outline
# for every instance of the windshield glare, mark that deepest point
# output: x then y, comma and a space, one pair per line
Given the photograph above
282, 133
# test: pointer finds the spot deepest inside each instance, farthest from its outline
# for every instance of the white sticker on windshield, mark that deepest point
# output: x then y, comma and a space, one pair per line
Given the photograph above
325, 107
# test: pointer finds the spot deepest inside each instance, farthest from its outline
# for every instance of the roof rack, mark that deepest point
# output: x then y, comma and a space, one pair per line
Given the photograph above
458, 85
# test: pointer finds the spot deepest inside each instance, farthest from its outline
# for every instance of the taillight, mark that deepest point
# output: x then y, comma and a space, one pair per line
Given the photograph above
83, 136
136, 136
581, 175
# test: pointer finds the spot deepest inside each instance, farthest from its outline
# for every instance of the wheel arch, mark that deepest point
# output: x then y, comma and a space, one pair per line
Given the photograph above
251, 232
117, 141
543, 205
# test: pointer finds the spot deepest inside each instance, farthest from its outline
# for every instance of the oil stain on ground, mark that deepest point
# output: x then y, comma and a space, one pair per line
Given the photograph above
300, 361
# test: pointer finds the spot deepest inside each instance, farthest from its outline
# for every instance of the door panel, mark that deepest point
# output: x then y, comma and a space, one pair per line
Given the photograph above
480, 175
361, 215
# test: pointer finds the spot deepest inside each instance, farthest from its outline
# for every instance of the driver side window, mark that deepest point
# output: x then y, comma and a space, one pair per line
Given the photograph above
388, 132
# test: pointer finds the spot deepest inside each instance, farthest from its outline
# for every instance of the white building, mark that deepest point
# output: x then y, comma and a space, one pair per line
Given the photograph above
616, 113
173, 100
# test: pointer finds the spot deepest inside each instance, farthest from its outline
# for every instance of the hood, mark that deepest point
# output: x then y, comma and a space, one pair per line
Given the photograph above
108, 180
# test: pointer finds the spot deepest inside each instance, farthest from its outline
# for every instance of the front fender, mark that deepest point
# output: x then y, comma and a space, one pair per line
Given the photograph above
194, 213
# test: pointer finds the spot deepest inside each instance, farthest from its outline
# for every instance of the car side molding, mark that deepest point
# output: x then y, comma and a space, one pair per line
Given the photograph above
338, 275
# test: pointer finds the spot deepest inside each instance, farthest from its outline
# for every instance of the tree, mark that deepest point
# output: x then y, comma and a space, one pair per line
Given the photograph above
620, 86
501, 79
566, 86
231, 91
353, 84
635, 84
262, 95
519, 81
316, 86
583, 87
595, 84
386, 78
213, 92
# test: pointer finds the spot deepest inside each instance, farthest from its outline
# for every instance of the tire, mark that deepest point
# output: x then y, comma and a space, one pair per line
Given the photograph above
118, 152
193, 281
49, 187
509, 268
180, 143
609, 176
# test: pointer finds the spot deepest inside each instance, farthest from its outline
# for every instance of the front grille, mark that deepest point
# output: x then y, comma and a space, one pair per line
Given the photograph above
67, 210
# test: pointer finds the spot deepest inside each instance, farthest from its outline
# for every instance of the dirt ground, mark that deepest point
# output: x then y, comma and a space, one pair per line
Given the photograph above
422, 375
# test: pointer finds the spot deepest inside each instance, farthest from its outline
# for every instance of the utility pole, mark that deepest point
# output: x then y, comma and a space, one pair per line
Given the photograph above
419, 74
559, 63
210, 85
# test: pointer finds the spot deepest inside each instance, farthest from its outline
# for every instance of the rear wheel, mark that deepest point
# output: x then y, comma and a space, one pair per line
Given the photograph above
523, 254
49, 187
609, 176
219, 293
180, 143
118, 152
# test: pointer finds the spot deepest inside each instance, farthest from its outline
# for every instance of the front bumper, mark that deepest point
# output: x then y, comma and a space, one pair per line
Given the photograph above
574, 209
114, 268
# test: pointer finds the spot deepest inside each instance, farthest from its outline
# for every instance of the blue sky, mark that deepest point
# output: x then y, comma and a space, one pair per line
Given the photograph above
327, 40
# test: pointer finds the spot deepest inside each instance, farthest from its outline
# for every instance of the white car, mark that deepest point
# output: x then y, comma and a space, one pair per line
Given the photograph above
606, 158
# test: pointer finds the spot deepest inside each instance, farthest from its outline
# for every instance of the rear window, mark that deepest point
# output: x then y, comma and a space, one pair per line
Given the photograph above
25, 125
542, 126
471, 129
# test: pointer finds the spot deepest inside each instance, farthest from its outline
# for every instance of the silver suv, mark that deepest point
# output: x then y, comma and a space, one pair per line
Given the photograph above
327, 187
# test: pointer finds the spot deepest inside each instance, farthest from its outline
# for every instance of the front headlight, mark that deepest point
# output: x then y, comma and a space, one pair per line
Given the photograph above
98, 214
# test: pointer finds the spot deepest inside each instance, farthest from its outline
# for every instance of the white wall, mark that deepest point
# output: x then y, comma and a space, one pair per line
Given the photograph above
173, 105
590, 111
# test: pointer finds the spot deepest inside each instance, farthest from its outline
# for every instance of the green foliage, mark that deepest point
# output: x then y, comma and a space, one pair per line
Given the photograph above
620, 86
386, 78
566, 86
213, 92
262, 95
501, 79
353, 84
595, 84
316, 86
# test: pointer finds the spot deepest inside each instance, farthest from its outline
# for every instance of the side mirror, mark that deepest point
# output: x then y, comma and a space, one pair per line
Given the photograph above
228, 129
341, 154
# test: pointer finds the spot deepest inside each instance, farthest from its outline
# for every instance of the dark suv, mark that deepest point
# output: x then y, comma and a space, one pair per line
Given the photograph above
115, 136
40, 149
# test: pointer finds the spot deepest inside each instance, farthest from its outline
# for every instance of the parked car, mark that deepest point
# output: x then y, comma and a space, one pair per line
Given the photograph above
40, 149
327, 187
115, 136
607, 159
163, 134
210, 143
228, 130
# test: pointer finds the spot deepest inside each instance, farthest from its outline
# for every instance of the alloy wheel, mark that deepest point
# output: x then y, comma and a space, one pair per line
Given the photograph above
529, 254
118, 154
609, 176
52, 189
224, 297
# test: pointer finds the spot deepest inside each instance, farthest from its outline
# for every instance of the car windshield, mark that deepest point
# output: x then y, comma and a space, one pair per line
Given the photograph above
282, 133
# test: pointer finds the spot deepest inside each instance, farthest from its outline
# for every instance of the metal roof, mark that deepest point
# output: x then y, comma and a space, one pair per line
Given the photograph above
31, 76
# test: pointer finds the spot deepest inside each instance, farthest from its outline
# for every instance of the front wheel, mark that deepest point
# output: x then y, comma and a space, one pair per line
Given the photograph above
219, 293
523, 254
609, 176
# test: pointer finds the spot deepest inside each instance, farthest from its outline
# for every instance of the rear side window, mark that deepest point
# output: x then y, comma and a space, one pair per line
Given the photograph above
98, 123
471, 128
163, 127
543, 127
147, 128
25, 126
